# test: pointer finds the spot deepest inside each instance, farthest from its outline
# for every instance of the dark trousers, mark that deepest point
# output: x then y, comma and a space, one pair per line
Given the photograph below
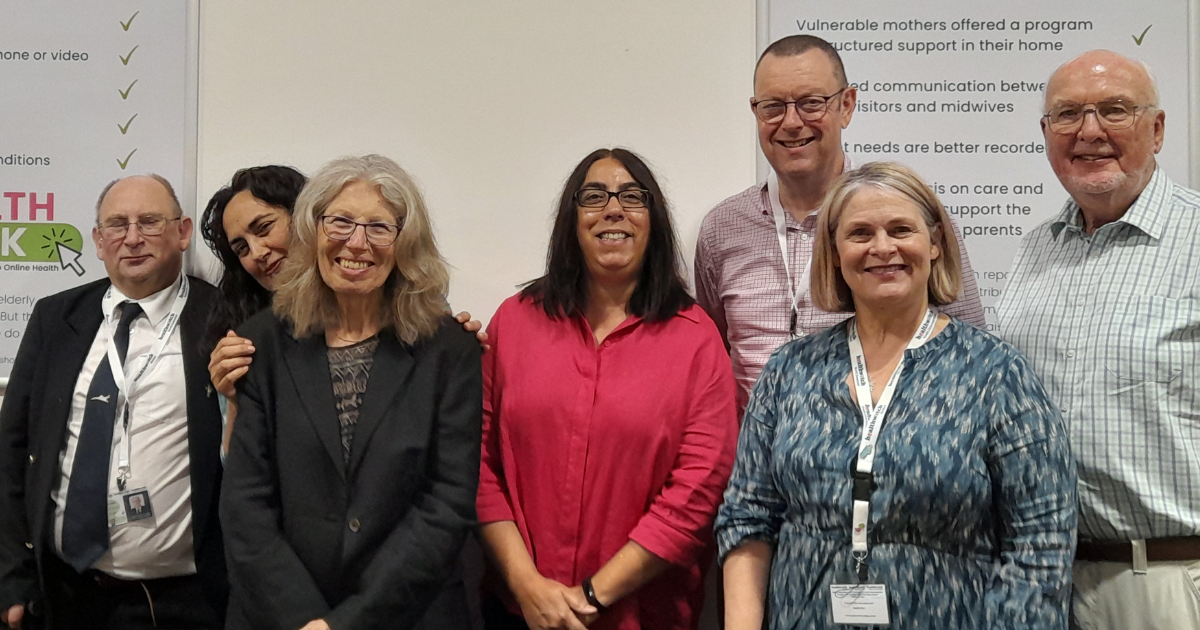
95, 601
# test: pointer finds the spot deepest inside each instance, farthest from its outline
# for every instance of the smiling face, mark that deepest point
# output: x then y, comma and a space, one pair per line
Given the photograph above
796, 148
1100, 166
884, 249
354, 267
258, 234
137, 264
613, 238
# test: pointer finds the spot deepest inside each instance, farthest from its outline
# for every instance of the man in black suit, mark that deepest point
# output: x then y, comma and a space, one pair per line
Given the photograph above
110, 438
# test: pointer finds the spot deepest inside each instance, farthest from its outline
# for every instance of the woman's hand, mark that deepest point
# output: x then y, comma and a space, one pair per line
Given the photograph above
229, 361
549, 605
316, 624
12, 617
587, 619
475, 326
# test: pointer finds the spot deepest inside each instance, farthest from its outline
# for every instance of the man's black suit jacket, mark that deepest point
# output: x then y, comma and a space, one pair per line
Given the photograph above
33, 424
368, 544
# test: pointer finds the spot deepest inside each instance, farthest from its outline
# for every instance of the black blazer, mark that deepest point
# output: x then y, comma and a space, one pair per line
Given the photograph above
364, 545
33, 423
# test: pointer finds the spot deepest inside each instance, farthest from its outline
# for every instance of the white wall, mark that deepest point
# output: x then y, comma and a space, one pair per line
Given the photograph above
488, 104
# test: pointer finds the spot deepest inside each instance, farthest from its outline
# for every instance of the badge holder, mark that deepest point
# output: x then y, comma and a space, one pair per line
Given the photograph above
128, 506
856, 604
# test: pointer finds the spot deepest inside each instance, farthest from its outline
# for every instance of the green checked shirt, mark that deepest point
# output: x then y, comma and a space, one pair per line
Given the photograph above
1111, 322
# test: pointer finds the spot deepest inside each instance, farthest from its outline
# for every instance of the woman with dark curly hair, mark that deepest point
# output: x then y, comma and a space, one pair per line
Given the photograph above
247, 224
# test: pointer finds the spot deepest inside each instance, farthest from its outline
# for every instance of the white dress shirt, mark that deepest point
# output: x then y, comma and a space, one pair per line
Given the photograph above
161, 546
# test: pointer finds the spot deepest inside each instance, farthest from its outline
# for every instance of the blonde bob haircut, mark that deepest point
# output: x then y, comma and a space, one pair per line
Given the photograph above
414, 293
829, 289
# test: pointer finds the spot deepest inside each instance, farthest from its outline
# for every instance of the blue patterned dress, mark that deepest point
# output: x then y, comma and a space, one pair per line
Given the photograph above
973, 515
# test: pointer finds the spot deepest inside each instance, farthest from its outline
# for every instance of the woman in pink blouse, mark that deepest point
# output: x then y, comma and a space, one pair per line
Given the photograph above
609, 420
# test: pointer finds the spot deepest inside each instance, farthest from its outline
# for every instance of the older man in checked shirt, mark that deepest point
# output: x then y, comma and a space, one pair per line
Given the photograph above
757, 296
1104, 298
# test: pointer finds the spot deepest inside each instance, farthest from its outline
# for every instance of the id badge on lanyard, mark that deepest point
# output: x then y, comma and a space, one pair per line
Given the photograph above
125, 389
798, 288
854, 601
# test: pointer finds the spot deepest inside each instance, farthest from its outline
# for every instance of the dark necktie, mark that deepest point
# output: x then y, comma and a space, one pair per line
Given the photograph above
85, 520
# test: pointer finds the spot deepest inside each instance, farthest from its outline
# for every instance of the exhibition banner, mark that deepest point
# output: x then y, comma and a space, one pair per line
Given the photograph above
92, 91
955, 89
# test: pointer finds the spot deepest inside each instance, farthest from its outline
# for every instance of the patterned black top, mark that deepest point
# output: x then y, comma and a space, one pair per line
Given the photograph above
349, 368
972, 519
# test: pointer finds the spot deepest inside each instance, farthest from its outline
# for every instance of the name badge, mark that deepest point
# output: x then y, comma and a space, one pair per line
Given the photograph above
859, 604
129, 507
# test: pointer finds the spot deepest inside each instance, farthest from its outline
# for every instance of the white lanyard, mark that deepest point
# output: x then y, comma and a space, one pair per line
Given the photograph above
873, 415
124, 471
800, 288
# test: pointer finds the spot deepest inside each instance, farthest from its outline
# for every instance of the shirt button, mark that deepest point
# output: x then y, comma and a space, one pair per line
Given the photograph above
32, 458
29, 545
1080, 302
355, 526
1070, 354
803, 236
1063, 409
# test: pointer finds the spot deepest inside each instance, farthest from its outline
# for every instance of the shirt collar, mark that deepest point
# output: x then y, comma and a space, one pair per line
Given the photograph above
690, 314
762, 187
1148, 212
156, 305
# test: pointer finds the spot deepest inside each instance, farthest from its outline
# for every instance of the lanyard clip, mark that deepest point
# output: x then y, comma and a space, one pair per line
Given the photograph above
864, 483
123, 475
860, 566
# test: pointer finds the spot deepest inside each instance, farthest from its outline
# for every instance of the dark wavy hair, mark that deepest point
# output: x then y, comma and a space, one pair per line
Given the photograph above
242, 295
661, 289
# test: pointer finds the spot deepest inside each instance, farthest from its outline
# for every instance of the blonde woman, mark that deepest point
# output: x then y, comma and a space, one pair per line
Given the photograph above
352, 471
901, 468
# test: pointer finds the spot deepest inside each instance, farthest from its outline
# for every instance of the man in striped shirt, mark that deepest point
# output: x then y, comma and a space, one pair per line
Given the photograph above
1104, 298
757, 294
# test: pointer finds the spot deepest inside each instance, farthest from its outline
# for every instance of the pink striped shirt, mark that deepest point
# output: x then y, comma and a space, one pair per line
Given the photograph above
742, 284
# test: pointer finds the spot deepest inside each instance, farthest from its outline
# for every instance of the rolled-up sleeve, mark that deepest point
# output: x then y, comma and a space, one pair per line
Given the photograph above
1034, 478
753, 508
675, 528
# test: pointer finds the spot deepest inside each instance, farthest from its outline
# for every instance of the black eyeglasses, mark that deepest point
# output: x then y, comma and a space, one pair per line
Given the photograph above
153, 225
378, 233
1111, 114
630, 198
810, 108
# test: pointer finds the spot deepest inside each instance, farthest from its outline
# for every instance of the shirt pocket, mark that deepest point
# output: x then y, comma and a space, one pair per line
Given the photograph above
1152, 355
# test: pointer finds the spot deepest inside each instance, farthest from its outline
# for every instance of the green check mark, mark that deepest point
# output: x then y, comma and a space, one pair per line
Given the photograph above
124, 128
125, 93
126, 58
1137, 39
126, 25
125, 162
